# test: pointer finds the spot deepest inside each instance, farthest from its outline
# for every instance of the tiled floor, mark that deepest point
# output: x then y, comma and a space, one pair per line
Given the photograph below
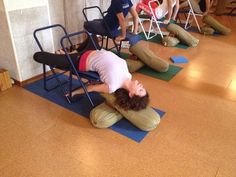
196, 138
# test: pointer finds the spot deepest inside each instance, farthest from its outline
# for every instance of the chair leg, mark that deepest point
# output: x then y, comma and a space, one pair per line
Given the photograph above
140, 22
191, 12
107, 40
187, 21
158, 26
47, 78
60, 84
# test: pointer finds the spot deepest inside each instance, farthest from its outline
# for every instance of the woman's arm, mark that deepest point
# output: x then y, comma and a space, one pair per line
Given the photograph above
135, 19
122, 23
208, 6
176, 9
170, 11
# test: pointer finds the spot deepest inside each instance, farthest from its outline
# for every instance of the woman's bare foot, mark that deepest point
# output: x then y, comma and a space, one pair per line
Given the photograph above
78, 91
133, 57
60, 52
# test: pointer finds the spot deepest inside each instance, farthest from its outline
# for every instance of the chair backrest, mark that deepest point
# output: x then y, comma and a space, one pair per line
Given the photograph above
101, 14
38, 30
194, 6
64, 61
152, 3
87, 9
88, 44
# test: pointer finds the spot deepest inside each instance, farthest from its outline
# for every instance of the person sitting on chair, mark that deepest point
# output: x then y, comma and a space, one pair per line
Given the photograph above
199, 6
115, 18
162, 10
210, 24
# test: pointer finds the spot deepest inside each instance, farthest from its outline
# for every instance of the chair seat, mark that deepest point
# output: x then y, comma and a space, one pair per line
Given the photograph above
89, 75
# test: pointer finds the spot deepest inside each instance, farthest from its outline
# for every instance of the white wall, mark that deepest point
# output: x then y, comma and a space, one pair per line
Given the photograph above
23, 17
22, 4
18, 20
7, 55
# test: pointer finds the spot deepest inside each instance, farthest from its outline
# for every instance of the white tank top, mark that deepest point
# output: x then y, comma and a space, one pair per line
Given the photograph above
112, 69
162, 9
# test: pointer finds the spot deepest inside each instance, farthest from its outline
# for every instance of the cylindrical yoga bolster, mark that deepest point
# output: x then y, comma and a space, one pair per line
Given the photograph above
146, 119
134, 65
169, 41
207, 30
149, 58
103, 116
182, 35
216, 25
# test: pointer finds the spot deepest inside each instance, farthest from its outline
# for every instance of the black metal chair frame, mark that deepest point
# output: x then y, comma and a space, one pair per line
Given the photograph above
109, 36
91, 76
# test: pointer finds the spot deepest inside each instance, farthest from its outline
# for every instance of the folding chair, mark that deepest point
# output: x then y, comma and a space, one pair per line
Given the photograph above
192, 13
149, 15
106, 35
66, 63
233, 9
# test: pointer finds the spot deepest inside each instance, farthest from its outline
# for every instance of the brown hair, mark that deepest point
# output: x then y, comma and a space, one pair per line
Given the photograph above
126, 102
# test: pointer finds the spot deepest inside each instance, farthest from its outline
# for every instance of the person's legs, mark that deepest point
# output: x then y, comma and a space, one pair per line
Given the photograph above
183, 4
202, 5
95, 27
88, 44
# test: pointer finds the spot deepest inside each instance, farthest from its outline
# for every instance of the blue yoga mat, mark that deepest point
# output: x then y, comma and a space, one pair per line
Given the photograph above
83, 107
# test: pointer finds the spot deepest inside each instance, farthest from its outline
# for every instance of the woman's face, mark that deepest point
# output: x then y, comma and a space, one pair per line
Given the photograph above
137, 89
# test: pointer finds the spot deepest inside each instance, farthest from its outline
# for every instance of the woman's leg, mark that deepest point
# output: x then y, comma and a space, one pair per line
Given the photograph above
183, 4
95, 27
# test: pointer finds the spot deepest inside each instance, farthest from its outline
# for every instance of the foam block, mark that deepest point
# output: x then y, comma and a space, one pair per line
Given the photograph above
179, 59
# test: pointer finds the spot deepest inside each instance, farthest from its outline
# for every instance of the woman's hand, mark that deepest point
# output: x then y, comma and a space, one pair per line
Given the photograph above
166, 21
205, 13
119, 38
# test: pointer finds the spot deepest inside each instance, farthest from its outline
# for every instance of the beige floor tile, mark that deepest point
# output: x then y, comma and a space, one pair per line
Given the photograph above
227, 168
41, 158
12, 138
